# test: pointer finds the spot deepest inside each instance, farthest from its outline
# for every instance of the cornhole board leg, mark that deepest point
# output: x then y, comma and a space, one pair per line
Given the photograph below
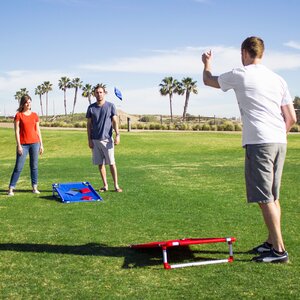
185, 242
199, 263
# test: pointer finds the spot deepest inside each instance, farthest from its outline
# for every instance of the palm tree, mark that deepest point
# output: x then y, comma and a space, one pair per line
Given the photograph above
169, 86
64, 83
47, 87
188, 86
19, 94
76, 83
87, 92
39, 90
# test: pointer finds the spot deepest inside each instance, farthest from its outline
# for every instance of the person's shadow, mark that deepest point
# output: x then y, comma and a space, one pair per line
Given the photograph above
3, 192
133, 258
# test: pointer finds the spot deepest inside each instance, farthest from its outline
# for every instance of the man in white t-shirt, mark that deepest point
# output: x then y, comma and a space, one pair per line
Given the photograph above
267, 114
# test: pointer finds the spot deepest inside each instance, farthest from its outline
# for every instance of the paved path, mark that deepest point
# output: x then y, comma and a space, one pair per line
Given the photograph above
6, 125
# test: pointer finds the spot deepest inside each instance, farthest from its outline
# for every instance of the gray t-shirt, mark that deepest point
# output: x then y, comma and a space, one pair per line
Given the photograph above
101, 117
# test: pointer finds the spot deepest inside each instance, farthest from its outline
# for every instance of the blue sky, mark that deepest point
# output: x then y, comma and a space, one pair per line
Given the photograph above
134, 44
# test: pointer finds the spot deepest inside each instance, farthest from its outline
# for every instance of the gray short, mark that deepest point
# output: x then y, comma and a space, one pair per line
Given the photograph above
103, 152
263, 170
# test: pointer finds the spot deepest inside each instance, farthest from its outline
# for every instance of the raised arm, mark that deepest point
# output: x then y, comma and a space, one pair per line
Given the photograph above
208, 78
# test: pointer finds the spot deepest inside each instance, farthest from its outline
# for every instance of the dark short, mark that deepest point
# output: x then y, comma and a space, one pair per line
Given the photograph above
263, 170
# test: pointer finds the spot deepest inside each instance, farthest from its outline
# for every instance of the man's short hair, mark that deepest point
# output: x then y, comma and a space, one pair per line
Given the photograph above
254, 46
100, 86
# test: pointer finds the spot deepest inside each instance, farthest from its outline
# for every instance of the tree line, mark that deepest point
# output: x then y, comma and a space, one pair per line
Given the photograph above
168, 87
64, 84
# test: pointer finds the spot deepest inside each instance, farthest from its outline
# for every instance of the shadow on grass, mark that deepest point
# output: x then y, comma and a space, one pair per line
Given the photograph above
133, 258
23, 191
48, 197
51, 198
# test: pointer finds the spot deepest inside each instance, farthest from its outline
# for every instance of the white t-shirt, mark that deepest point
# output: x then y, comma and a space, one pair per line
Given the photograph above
260, 94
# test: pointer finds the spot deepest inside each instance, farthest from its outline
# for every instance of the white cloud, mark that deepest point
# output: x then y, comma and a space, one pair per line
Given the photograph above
279, 61
12, 81
175, 62
188, 61
16, 79
293, 44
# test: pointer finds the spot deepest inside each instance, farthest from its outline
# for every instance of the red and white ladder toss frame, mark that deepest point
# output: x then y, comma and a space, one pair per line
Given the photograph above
186, 242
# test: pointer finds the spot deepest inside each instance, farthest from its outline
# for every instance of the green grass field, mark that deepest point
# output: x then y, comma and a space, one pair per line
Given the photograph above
176, 185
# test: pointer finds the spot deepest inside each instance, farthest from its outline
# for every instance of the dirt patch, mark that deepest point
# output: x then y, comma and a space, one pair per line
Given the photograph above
123, 117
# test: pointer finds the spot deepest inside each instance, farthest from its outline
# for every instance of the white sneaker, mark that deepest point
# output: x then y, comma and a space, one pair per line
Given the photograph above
10, 193
36, 191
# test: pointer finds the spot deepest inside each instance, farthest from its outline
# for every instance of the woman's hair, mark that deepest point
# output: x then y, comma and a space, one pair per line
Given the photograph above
254, 46
23, 100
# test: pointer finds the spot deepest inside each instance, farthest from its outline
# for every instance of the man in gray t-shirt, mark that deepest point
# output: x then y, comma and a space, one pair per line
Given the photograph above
101, 121
101, 117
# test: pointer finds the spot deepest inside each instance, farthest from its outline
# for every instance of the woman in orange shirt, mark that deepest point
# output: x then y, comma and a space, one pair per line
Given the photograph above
29, 140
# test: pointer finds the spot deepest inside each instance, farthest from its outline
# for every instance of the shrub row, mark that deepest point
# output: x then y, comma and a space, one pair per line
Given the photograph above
63, 124
226, 126
295, 128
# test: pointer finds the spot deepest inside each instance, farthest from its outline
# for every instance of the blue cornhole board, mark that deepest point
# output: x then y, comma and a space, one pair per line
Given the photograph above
74, 192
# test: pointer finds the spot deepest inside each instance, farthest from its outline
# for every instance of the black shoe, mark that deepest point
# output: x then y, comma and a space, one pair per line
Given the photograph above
272, 257
263, 248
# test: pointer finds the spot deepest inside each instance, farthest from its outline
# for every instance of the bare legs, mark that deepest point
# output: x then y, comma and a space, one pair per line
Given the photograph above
114, 173
102, 171
272, 216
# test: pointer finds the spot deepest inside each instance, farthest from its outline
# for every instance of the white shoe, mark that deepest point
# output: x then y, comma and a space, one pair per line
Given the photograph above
36, 191
10, 193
